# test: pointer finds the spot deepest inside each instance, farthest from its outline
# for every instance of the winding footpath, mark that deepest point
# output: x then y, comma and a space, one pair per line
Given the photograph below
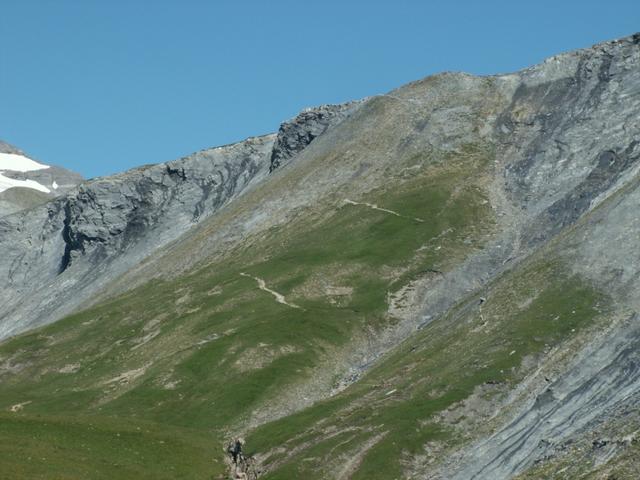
278, 296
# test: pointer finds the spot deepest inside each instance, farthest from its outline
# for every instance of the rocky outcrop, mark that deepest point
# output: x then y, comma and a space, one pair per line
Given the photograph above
107, 216
294, 135
17, 199
8, 148
98, 230
62, 252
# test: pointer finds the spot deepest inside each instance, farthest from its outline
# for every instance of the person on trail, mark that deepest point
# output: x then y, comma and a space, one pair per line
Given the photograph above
235, 450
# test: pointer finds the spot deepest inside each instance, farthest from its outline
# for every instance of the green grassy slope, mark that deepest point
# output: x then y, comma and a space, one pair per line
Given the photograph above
411, 399
188, 360
36, 446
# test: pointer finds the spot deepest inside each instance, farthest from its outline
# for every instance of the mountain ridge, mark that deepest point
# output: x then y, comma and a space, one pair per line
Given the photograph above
84, 217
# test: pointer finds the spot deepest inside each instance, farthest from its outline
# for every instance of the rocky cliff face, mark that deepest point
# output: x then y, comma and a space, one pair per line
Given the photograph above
92, 234
294, 135
106, 217
62, 252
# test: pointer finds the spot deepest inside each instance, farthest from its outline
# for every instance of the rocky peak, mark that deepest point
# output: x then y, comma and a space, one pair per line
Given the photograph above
25, 182
99, 229
294, 135
103, 217
8, 148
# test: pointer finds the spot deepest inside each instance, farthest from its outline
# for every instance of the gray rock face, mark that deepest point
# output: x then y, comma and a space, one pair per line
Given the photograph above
572, 120
59, 254
600, 379
105, 217
98, 230
294, 135
17, 199
604, 376
8, 148
569, 140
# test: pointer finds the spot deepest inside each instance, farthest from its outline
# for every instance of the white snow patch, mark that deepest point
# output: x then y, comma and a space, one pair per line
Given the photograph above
7, 183
19, 163
54, 185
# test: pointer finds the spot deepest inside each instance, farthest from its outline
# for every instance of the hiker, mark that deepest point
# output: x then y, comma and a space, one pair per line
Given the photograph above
235, 450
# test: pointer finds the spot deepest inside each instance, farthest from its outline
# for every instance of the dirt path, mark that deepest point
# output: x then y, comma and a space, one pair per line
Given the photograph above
278, 296
19, 406
375, 207
352, 464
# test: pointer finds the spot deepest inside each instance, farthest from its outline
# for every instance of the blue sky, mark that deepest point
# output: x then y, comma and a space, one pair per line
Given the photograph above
102, 86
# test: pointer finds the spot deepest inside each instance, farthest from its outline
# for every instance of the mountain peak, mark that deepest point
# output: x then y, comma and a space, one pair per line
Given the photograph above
25, 182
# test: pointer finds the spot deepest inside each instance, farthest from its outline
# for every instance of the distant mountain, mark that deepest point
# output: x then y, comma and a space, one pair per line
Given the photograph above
439, 283
25, 183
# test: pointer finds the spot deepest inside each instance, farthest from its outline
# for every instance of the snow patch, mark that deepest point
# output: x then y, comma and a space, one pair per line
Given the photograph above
7, 183
19, 163
54, 185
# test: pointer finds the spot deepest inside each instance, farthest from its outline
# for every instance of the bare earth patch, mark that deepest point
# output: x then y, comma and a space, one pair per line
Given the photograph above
351, 465
128, 376
385, 210
69, 368
9, 365
19, 406
261, 356
278, 296
406, 303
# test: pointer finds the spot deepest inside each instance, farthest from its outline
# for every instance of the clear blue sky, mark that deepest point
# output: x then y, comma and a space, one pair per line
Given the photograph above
101, 86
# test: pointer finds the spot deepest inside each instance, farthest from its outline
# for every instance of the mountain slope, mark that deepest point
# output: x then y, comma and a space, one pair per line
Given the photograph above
62, 253
440, 285
25, 183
